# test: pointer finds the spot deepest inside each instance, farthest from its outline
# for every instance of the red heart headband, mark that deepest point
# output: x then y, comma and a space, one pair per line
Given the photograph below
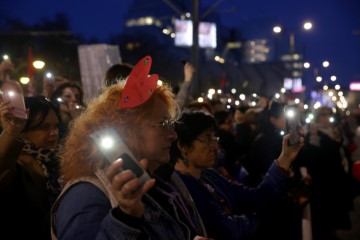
139, 86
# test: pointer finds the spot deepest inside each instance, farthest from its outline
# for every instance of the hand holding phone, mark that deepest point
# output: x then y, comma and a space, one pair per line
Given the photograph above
113, 147
17, 103
293, 124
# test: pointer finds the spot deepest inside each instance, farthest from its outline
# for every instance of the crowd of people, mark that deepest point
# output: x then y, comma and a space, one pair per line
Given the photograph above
212, 172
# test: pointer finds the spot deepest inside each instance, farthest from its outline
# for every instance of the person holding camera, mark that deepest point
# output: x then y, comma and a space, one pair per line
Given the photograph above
103, 198
228, 208
29, 168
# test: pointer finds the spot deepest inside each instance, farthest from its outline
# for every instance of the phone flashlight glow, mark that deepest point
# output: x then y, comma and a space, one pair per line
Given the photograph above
107, 142
290, 113
11, 93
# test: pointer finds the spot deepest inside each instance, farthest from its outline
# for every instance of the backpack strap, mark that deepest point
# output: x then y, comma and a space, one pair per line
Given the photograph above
99, 180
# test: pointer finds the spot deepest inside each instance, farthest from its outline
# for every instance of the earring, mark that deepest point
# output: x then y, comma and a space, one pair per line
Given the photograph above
185, 161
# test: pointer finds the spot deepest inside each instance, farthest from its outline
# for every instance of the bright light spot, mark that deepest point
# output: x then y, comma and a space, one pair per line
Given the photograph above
173, 35
188, 15
6, 57
211, 91
307, 120
333, 98
200, 99
282, 133
49, 75
233, 90
306, 106
237, 102
210, 96
325, 87
159, 82
229, 100
297, 101
317, 105
38, 64
307, 25
254, 95
277, 29
219, 91
325, 64
107, 142
311, 116
228, 106
318, 79
59, 99
11, 93
277, 95
331, 94
306, 65
337, 87
242, 97
333, 78
24, 80
340, 94
253, 103
332, 119
290, 113
283, 90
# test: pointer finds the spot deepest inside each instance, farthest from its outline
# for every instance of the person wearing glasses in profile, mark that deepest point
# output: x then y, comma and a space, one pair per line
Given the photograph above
226, 207
110, 196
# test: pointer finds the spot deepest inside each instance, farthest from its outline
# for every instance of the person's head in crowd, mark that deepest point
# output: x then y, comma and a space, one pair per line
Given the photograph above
197, 144
196, 105
225, 120
252, 117
69, 93
146, 129
276, 115
42, 126
264, 99
323, 116
239, 115
116, 73
216, 105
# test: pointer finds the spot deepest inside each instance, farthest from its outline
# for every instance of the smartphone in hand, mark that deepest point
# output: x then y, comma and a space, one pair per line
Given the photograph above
293, 124
17, 103
113, 147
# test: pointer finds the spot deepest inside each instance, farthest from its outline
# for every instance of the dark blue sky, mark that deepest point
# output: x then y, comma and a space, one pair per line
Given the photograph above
333, 37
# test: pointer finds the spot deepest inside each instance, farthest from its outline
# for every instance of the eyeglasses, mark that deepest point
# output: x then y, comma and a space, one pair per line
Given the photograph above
209, 140
166, 124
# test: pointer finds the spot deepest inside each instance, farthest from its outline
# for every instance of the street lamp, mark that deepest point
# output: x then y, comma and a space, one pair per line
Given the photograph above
306, 26
38, 64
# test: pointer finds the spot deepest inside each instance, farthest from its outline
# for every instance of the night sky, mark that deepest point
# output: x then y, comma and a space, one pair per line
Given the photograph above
335, 36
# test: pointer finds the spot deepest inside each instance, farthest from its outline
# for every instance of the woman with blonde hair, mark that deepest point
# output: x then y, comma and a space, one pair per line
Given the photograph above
99, 201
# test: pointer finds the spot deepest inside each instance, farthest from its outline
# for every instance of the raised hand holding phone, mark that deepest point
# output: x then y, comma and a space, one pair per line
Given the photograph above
113, 147
16, 103
293, 124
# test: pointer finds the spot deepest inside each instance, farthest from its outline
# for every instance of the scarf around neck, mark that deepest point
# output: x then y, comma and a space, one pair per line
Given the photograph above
48, 160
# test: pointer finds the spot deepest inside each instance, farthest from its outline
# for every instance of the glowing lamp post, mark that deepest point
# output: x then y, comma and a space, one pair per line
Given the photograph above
38, 64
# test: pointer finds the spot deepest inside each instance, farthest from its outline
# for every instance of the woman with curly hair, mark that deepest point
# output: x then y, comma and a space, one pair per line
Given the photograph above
99, 201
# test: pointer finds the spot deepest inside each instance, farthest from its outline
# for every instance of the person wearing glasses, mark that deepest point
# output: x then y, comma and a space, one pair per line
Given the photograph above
103, 195
226, 207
